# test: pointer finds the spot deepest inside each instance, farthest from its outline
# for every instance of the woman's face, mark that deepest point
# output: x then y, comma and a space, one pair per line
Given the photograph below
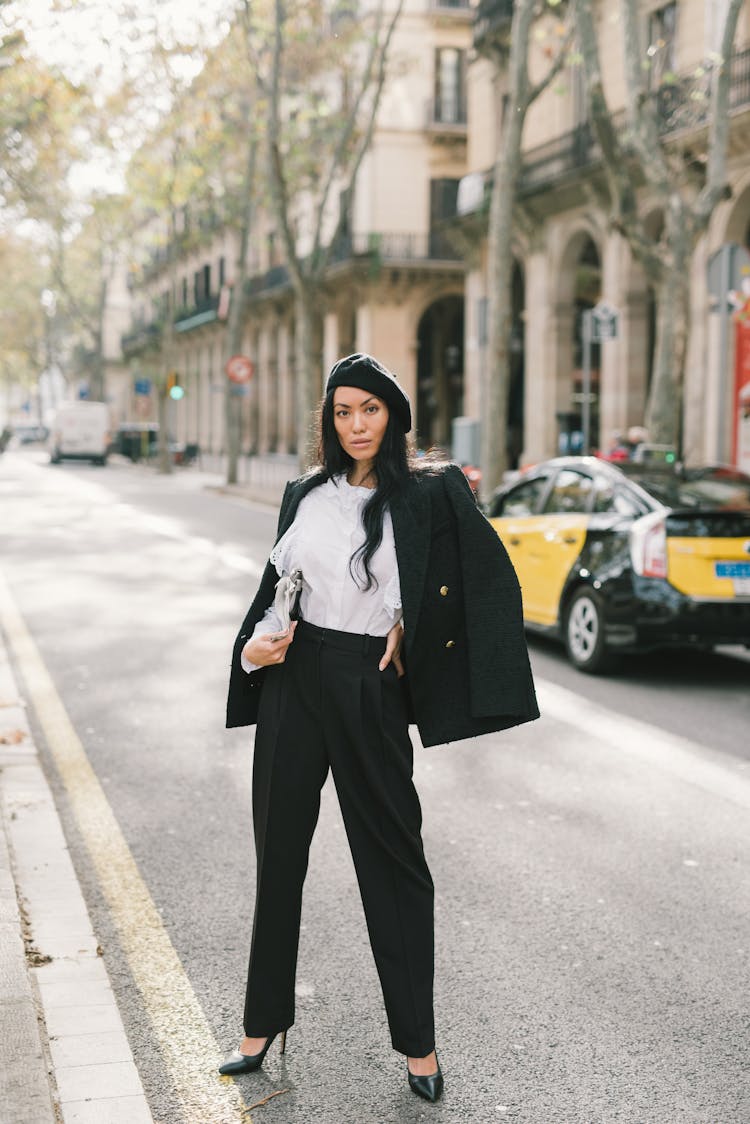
360, 419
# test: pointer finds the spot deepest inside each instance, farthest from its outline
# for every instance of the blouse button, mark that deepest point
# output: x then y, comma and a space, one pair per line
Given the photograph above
451, 644
443, 590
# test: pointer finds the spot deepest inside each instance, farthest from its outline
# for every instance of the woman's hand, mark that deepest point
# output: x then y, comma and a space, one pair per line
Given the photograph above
392, 651
264, 651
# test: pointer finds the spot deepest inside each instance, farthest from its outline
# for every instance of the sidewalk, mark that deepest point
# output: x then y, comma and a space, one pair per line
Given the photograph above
261, 479
64, 1055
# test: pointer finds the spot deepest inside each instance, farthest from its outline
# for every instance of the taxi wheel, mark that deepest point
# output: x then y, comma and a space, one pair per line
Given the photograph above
584, 633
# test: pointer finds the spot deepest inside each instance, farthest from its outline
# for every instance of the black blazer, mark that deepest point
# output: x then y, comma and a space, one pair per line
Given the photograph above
467, 667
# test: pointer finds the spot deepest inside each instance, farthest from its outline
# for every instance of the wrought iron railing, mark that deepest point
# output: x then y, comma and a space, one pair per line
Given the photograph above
141, 337
681, 104
188, 312
450, 5
397, 246
275, 278
375, 247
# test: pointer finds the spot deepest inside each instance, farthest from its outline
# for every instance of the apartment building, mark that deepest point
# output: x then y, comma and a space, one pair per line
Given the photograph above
408, 278
395, 285
567, 257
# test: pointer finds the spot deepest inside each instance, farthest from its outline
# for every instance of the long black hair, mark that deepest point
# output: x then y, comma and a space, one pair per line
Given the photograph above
394, 464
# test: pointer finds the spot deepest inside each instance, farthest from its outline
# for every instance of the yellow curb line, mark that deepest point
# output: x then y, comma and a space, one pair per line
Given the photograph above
187, 1044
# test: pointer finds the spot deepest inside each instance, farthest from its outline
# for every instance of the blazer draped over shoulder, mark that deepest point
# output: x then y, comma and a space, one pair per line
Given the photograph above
467, 666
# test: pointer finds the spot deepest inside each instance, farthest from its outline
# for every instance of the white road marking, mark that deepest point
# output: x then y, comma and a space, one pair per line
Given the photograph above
694, 764
187, 1044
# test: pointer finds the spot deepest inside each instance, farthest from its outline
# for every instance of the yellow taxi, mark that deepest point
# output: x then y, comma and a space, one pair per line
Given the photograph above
628, 557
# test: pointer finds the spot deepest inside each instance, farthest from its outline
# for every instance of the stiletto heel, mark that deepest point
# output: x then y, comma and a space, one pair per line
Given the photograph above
429, 1088
239, 1063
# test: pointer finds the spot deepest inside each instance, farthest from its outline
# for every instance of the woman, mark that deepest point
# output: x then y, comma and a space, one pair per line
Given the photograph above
410, 610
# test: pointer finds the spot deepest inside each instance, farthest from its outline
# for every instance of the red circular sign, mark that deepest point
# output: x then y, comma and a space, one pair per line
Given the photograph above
240, 369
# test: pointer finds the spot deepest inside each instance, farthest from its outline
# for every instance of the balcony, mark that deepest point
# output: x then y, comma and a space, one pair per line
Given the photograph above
551, 162
373, 248
141, 338
275, 278
492, 23
681, 105
446, 119
202, 312
397, 248
451, 11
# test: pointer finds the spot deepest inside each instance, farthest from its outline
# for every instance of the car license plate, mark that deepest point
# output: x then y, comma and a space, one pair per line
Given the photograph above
738, 572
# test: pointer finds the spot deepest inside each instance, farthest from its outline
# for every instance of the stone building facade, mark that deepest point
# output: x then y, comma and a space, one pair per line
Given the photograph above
409, 278
567, 257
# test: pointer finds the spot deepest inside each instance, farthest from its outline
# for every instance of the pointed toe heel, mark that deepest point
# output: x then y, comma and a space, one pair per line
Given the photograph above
239, 1063
429, 1088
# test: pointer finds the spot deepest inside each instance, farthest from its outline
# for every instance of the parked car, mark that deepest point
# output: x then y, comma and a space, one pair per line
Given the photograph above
30, 433
630, 557
80, 431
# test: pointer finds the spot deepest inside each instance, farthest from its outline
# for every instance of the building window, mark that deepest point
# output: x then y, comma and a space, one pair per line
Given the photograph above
450, 86
443, 197
222, 271
662, 44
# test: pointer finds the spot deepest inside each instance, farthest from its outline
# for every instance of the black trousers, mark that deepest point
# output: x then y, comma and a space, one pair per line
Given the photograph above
328, 706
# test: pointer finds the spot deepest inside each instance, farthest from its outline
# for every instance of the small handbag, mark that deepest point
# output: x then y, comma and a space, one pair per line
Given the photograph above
286, 598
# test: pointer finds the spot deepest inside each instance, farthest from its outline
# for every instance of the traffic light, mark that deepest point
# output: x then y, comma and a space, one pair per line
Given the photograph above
174, 388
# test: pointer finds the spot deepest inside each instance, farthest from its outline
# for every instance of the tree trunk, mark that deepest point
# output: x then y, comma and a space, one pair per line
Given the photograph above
164, 459
494, 423
664, 409
167, 350
236, 324
670, 188
309, 349
496, 388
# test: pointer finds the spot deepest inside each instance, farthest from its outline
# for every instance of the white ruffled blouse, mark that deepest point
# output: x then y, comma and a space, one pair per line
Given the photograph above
326, 531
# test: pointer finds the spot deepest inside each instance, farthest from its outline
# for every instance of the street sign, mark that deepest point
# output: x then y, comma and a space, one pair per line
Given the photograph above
143, 386
604, 322
240, 369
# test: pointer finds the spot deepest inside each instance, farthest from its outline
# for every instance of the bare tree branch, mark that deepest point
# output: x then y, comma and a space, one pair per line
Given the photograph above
715, 187
367, 134
345, 137
557, 63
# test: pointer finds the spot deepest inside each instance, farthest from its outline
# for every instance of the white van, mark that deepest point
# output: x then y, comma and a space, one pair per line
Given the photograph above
80, 431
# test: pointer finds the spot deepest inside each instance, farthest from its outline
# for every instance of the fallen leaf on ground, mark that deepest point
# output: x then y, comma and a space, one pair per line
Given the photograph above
259, 1104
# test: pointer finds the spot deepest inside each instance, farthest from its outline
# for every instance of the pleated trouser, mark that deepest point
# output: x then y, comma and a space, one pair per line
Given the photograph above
329, 706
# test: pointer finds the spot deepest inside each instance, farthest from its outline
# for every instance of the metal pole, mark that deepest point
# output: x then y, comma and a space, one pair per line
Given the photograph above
727, 253
586, 411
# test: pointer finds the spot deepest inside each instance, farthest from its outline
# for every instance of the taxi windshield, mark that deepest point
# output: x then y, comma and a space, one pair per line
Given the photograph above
694, 489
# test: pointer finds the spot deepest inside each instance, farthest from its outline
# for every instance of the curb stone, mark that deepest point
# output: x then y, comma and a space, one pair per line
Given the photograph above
64, 1055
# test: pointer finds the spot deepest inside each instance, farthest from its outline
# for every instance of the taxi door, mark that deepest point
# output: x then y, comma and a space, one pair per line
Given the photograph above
518, 526
561, 534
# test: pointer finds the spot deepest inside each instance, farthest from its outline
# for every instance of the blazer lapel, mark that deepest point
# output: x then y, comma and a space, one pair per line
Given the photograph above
410, 514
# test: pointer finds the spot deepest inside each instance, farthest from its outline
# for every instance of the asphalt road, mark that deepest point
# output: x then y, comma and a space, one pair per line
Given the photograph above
593, 899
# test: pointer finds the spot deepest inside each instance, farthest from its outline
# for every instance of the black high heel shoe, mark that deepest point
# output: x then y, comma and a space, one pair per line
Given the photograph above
247, 1063
429, 1088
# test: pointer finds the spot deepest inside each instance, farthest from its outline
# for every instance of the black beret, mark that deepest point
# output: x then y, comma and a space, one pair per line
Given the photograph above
365, 372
